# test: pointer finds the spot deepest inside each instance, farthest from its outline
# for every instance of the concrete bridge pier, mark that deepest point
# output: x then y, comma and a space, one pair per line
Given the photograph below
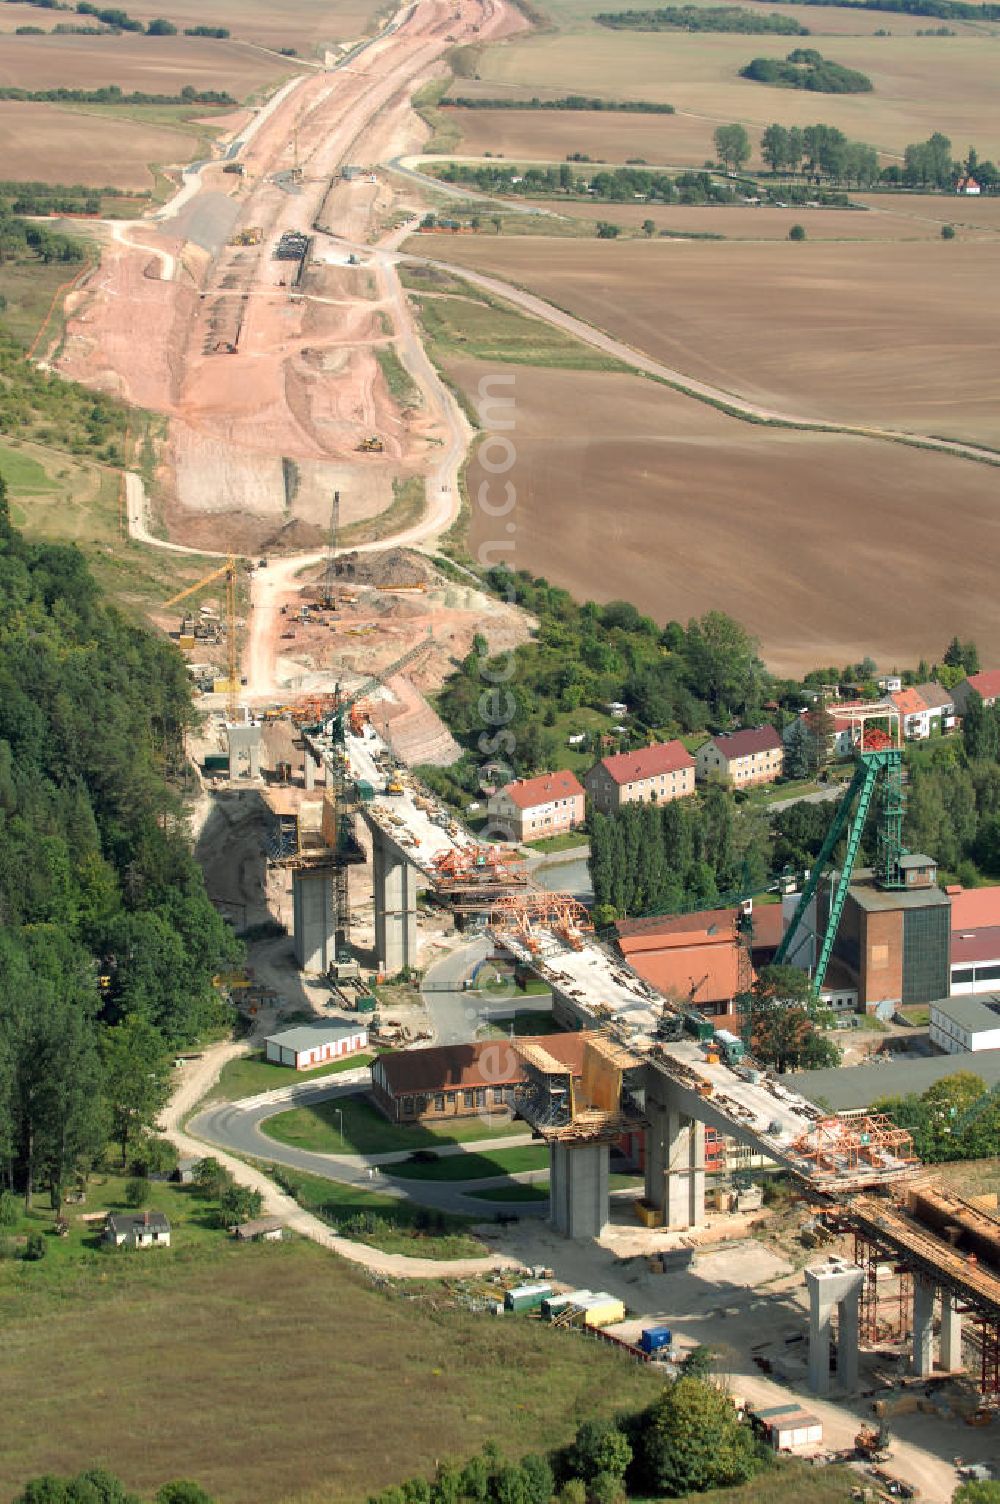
834, 1285
578, 1188
314, 921
395, 905
675, 1160
951, 1332
244, 743
924, 1291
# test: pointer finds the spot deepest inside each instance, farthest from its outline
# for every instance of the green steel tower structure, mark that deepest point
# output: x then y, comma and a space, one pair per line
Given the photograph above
879, 756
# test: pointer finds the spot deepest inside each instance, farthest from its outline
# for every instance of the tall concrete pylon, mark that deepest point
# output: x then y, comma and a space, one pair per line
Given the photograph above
675, 1157
395, 905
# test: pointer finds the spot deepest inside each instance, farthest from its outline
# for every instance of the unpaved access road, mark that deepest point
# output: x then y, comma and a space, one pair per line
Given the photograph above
196, 1080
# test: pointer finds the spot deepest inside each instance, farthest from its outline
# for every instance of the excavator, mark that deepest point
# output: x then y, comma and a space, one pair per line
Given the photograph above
371, 445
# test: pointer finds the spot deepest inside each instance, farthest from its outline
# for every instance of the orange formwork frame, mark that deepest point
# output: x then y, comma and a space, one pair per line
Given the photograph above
838, 1144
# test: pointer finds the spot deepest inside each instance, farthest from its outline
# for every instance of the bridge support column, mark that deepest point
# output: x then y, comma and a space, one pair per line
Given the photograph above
951, 1333
395, 906
675, 1166
833, 1285
314, 920
924, 1291
244, 741
578, 1188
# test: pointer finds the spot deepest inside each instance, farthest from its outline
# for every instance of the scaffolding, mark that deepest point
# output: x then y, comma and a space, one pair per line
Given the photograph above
536, 916
842, 1146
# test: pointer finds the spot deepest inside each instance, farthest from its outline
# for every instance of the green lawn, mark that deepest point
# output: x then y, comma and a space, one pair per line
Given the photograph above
366, 1131
401, 385
477, 326
252, 1074
192, 1222
512, 1193
474, 1166
262, 1371
22, 472
387, 1222
521, 1023
564, 842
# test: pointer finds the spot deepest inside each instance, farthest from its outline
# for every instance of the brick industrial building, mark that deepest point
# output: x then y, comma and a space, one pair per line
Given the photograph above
895, 945
461, 1080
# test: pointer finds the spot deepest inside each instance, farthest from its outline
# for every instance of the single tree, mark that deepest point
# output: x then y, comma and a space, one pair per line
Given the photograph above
797, 232
733, 146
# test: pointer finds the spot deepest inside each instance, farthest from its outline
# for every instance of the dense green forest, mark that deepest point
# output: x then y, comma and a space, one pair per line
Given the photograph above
108, 942
702, 18
805, 68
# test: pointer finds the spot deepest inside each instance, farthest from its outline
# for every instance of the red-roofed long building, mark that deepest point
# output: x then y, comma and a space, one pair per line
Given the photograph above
650, 775
530, 808
986, 685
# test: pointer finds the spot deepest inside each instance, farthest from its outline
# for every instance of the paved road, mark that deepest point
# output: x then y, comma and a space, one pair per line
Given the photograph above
236, 1127
457, 1016
821, 796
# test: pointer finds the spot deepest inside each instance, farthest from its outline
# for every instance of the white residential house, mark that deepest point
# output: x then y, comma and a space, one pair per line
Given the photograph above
137, 1230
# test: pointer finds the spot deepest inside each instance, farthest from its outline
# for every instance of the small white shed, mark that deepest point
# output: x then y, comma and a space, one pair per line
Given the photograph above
311, 1045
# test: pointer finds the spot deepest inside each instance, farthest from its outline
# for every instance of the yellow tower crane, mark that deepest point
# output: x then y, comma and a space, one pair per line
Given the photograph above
225, 571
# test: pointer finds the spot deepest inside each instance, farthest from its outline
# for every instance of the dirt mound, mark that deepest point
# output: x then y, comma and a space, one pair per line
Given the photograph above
396, 566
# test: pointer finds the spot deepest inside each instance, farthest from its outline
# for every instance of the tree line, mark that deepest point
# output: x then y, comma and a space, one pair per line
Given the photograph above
108, 943
805, 68
117, 20
617, 185
946, 10
956, 1118
567, 102
97, 1486
702, 18
112, 94
58, 198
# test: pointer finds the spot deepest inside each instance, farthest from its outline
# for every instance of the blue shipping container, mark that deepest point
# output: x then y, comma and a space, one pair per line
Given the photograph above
654, 1338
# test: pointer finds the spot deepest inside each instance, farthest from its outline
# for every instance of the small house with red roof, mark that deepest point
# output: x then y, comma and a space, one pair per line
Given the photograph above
968, 185
531, 808
650, 775
986, 685
742, 758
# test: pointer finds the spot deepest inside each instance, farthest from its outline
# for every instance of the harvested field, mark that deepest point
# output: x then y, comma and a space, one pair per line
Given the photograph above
937, 209
302, 24
921, 84
666, 140
627, 490
52, 144
767, 223
836, 21
154, 65
244, 1376
830, 331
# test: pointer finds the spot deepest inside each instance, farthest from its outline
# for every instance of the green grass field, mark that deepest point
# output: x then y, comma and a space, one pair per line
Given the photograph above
457, 1167
564, 842
366, 1131
22, 472
409, 498
251, 1074
387, 1222
397, 378
478, 326
262, 1372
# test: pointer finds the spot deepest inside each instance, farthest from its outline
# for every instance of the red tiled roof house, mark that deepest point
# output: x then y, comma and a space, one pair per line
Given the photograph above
650, 775
530, 808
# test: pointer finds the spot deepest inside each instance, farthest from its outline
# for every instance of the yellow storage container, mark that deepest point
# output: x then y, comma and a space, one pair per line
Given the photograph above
648, 1215
607, 1313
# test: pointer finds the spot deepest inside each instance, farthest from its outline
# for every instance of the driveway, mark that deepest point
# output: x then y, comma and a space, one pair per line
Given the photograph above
457, 1016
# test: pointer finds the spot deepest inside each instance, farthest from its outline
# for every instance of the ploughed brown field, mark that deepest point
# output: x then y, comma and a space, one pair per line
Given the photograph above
154, 65
302, 24
51, 144
895, 334
827, 547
